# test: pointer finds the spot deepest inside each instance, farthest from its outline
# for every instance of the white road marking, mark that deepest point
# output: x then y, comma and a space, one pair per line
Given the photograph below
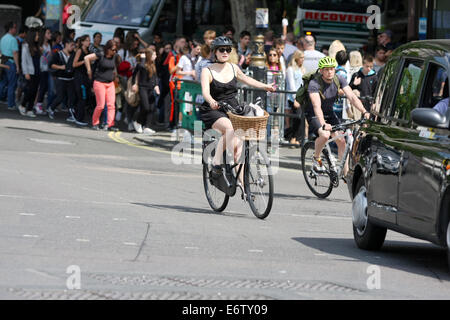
119, 219
45, 141
130, 243
320, 217
83, 240
27, 214
43, 274
13, 196
191, 248
30, 236
73, 217
255, 251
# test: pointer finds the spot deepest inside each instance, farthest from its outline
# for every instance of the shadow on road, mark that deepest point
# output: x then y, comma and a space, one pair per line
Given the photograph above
423, 259
302, 197
185, 209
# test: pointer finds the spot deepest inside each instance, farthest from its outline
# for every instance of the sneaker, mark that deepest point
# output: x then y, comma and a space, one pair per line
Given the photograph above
96, 127
130, 127
38, 109
81, 123
149, 131
51, 114
138, 127
30, 114
22, 110
71, 119
318, 165
72, 112
12, 108
113, 129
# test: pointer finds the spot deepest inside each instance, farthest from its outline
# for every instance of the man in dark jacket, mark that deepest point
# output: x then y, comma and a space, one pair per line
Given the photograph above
365, 81
61, 65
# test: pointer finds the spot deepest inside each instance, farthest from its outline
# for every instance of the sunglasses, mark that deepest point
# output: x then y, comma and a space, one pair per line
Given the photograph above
222, 50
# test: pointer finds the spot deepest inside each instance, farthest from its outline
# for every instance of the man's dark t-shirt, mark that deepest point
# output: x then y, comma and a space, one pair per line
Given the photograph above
330, 91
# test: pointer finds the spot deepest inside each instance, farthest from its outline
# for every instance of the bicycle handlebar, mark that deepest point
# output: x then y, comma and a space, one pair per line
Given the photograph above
345, 125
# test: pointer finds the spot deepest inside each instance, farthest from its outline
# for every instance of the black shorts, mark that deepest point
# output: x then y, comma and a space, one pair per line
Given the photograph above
210, 116
314, 123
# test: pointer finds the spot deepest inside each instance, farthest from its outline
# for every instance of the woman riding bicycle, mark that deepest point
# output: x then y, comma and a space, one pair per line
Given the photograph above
219, 85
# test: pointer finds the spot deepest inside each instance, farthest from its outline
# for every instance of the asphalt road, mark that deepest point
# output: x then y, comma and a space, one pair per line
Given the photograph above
137, 226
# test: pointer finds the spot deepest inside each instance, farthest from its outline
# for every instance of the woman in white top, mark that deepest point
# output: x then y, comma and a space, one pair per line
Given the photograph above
187, 63
294, 80
186, 69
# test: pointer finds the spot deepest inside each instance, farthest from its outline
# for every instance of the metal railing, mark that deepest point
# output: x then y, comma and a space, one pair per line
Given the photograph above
274, 104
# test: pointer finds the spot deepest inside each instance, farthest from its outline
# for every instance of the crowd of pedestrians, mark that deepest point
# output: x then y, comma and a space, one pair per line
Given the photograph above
45, 72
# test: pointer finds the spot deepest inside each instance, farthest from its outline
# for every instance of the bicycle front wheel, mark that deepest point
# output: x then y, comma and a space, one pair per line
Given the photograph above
320, 183
258, 180
217, 199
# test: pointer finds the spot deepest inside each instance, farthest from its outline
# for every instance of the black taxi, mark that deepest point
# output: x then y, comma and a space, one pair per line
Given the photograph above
399, 177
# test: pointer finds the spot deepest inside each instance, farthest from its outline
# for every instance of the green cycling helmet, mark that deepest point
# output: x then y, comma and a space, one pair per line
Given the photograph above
327, 62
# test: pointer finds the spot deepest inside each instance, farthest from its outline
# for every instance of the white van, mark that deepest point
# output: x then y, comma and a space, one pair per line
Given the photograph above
105, 16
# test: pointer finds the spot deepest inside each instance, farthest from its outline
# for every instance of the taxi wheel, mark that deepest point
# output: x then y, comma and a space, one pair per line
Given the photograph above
367, 235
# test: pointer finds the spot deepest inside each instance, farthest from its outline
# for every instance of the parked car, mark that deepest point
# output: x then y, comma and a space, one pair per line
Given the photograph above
399, 177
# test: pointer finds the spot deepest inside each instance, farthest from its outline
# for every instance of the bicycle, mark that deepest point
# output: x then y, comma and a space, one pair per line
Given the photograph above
322, 183
258, 178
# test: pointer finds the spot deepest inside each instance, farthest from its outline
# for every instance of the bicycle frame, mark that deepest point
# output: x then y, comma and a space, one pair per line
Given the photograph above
338, 169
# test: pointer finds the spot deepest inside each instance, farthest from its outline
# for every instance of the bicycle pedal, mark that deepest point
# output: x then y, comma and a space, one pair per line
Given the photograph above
334, 179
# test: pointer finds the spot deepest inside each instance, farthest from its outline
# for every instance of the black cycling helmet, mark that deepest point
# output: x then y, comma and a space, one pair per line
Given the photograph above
221, 41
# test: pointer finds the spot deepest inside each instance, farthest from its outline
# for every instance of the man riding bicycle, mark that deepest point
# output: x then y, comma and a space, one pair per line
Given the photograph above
323, 91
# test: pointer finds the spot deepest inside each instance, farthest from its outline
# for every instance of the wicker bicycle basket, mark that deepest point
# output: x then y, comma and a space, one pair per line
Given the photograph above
249, 128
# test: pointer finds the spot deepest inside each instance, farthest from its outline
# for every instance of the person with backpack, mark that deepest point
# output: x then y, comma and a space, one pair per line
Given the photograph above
317, 97
61, 65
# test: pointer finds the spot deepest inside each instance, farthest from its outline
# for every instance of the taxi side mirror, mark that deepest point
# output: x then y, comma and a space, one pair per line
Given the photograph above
429, 118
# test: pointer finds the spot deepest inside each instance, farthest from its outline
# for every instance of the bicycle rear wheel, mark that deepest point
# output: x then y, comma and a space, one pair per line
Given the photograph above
258, 180
217, 199
320, 184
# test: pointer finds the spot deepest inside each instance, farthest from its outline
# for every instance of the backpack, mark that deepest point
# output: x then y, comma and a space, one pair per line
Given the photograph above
302, 96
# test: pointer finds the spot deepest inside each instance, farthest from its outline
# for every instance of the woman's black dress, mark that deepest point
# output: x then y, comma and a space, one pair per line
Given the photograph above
220, 91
